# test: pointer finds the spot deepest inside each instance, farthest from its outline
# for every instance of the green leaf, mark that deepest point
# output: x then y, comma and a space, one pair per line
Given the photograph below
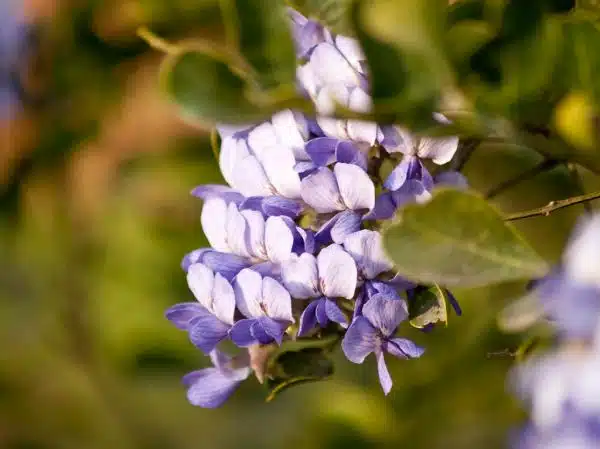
402, 42
459, 239
207, 89
299, 361
260, 30
429, 306
334, 14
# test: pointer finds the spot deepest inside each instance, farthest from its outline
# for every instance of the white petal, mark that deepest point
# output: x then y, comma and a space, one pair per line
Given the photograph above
351, 50
214, 220
321, 192
261, 139
300, 276
337, 272
582, 256
236, 231
439, 150
356, 188
255, 234
248, 293
278, 240
250, 178
200, 280
332, 66
291, 131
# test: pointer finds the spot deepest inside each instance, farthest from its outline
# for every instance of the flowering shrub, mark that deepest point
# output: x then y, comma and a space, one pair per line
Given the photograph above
341, 131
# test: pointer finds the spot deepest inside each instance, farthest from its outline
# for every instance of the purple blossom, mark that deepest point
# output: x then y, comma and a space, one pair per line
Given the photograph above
324, 151
373, 333
267, 306
260, 160
335, 74
208, 322
322, 279
347, 191
211, 387
307, 33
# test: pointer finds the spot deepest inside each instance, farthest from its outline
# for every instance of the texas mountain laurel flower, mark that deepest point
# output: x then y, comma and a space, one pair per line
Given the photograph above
295, 247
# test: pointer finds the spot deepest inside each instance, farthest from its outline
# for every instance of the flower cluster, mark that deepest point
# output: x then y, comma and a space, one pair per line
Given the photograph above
294, 245
563, 387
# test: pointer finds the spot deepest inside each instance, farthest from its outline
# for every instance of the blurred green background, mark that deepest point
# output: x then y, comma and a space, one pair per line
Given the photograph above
95, 215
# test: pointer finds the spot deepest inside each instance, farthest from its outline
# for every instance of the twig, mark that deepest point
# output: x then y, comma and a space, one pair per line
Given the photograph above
465, 150
576, 177
156, 42
552, 206
543, 166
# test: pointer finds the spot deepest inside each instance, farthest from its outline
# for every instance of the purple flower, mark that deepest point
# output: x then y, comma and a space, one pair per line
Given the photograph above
260, 160
373, 333
366, 248
330, 275
211, 387
267, 306
439, 149
574, 433
346, 191
209, 321
249, 234
335, 74
327, 150
307, 33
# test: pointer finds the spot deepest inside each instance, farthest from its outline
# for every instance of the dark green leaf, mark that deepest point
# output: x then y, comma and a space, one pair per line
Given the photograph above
206, 88
299, 361
459, 239
334, 14
429, 307
260, 30
402, 44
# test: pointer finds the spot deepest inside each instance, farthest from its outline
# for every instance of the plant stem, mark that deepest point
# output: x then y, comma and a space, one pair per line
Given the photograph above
552, 206
463, 154
543, 166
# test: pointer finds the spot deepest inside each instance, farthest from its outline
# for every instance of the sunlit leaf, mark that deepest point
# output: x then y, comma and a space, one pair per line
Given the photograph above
459, 239
429, 306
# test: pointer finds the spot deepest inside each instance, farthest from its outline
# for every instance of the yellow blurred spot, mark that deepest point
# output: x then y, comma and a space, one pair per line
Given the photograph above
573, 120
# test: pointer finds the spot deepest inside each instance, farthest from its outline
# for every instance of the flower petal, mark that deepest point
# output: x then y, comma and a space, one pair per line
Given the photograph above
360, 340
258, 332
207, 331
366, 248
250, 178
334, 313
385, 314
350, 49
210, 387
223, 300
200, 280
255, 233
385, 207
228, 265
240, 333
403, 348
232, 152
273, 328
439, 149
300, 276
181, 314
339, 227
322, 150
237, 231
279, 167
337, 272
214, 221
347, 152
308, 319
320, 191
279, 240
355, 186
290, 129
384, 375
320, 313
248, 293
276, 300
262, 138
452, 179
582, 256
331, 67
